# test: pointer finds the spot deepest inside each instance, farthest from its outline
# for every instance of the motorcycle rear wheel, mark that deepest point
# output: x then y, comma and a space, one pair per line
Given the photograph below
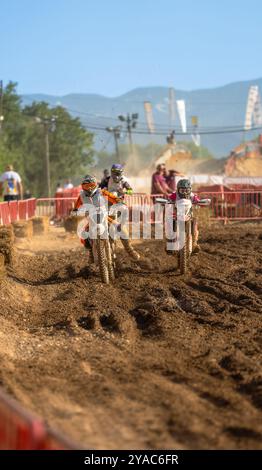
109, 257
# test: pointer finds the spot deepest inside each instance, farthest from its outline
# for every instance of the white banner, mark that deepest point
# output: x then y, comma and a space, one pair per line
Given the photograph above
205, 179
171, 105
253, 110
258, 111
196, 139
254, 181
181, 108
149, 116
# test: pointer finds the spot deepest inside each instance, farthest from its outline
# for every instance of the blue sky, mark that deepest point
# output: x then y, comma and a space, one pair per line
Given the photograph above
110, 47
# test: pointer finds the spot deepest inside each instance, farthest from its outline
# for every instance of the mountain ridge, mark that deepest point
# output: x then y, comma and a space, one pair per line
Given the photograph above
217, 107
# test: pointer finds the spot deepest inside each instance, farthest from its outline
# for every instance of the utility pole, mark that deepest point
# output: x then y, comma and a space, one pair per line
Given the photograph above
47, 156
48, 126
131, 122
116, 131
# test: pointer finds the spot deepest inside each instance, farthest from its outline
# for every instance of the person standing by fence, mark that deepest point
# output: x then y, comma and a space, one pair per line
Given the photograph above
11, 185
159, 184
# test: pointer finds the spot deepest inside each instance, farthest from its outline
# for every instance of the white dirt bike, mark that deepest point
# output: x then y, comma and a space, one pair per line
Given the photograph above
102, 248
183, 217
95, 230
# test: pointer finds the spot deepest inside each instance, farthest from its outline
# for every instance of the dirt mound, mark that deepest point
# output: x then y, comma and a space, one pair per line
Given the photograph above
156, 360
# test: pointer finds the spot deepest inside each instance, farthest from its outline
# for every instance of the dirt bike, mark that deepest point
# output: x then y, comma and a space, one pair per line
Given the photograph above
183, 217
103, 247
100, 239
93, 230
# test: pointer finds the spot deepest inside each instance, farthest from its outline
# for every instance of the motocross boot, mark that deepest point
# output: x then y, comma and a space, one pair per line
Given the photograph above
88, 247
196, 248
129, 249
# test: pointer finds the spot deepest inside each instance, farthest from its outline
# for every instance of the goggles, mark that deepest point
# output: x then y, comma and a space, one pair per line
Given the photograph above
89, 186
184, 190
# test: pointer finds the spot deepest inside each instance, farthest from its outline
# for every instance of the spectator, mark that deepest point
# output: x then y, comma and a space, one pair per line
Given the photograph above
159, 185
173, 178
11, 185
165, 172
68, 185
105, 179
59, 189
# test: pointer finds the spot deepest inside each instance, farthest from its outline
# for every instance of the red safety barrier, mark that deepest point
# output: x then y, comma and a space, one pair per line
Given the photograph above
233, 205
65, 193
58, 207
17, 210
31, 207
64, 206
22, 210
56, 441
21, 430
18, 428
13, 210
5, 218
225, 205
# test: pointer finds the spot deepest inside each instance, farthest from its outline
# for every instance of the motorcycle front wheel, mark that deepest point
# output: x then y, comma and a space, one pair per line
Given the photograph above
102, 260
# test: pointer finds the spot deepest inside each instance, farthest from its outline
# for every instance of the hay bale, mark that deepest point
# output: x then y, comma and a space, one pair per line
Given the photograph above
23, 229
7, 232
7, 251
2, 266
6, 243
71, 223
40, 225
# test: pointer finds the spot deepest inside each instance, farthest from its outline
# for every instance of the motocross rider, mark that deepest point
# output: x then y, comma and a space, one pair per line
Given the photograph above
184, 191
117, 183
92, 194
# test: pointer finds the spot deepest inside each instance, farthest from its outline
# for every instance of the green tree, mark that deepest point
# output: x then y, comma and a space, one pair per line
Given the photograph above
22, 142
69, 143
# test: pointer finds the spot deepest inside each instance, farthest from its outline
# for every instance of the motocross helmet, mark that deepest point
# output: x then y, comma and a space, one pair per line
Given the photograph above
184, 189
116, 172
89, 185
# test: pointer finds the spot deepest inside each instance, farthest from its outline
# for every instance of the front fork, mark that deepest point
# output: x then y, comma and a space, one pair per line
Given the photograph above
191, 233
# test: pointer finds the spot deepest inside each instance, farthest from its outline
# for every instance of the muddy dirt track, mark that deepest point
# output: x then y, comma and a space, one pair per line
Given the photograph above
156, 361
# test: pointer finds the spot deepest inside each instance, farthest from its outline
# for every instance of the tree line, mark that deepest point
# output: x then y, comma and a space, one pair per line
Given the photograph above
22, 142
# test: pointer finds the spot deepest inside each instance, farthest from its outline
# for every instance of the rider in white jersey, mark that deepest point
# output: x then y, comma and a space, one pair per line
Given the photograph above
117, 183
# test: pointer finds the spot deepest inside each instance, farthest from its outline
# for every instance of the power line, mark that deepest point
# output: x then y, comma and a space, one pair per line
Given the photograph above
142, 126
164, 132
96, 124
211, 132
